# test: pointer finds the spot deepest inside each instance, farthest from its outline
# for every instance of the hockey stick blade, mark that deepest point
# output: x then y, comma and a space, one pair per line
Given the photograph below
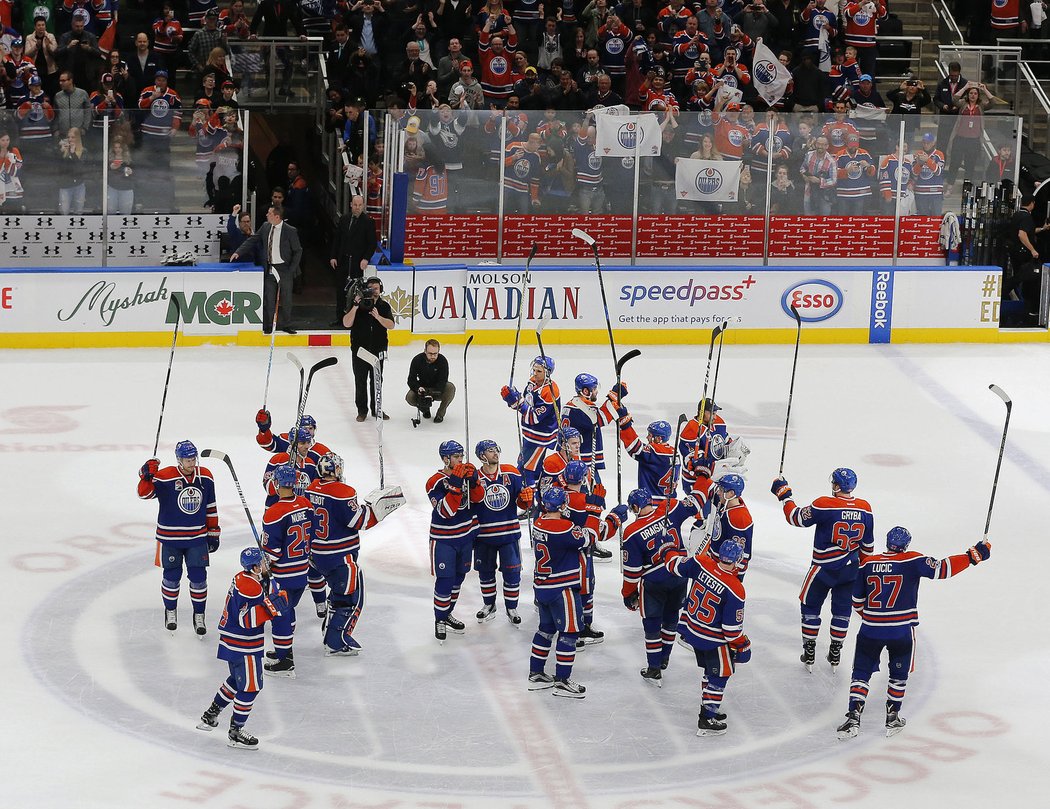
583, 236
367, 356
295, 361
630, 355
1002, 395
327, 362
532, 252
798, 317
542, 324
213, 453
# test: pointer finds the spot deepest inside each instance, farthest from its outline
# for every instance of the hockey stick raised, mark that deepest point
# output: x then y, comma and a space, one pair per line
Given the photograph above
791, 389
630, 355
222, 456
718, 362
466, 405
273, 336
167, 378
717, 330
539, 342
377, 375
327, 362
525, 278
1002, 448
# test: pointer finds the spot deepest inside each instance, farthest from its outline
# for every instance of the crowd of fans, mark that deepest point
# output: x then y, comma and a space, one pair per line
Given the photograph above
455, 73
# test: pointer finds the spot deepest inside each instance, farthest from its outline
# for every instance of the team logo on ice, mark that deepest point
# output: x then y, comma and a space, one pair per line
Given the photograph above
815, 299
190, 500
497, 497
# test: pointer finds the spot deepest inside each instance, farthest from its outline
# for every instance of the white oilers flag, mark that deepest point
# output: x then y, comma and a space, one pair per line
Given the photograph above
617, 136
707, 180
771, 77
824, 49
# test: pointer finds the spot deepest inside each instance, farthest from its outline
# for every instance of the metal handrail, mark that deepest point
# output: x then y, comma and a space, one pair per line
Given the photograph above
940, 8
915, 58
1037, 89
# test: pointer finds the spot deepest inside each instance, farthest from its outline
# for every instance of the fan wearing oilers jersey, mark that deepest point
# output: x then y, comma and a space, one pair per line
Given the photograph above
647, 585
499, 532
288, 528
338, 521
587, 499
538, 406
279, 443
305, 462
886, 596
557, 579
842, 536
585, 413
712, 622
250, 602
453, 492
728, 517
187, 528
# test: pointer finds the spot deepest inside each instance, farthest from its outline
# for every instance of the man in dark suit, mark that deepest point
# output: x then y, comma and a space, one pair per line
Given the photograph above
353, 244
942, 102
143, 65
338, 58
279, 243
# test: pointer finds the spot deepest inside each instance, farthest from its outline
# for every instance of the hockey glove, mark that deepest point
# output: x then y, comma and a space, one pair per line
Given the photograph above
740, 649
149, 469
620, 512
213, 539
510, 395
262, 420
278, 603
666, 552
781, 489
631, 602
593, 504
385, 501
619, 390
526, 497
599, 490
979, 552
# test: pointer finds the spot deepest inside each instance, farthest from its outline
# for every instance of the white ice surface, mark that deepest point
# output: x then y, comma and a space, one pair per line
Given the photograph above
101, 702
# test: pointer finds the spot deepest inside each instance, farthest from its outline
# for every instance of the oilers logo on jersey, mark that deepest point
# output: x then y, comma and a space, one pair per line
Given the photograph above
614, 45
159, 108
498, 65
497, 496
190, 500
522, 168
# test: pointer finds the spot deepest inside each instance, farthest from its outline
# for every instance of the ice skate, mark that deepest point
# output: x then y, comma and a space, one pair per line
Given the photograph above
171, 620
894, 722
653, 676
238, 737
513, 617
564, 687
809, 654
589, 636
198, 624
455, 624
835, 653
210, 718
281, 668
710, 725
486, 613
440, 632
850, 728
539, 680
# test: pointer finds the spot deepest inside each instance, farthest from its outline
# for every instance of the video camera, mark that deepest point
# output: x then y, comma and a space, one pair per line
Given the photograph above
358, 288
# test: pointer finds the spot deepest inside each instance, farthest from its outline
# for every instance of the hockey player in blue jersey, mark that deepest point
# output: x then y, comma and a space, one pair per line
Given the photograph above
657, 460
453, 492
499, 531
707, 448
712, 622
586, 414
647, 585
539, 408
288, 527
338, 520
250, 603
187, 528
886, 596
279, 443
842, 537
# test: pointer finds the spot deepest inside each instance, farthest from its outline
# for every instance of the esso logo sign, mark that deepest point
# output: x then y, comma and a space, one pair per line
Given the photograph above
814, 299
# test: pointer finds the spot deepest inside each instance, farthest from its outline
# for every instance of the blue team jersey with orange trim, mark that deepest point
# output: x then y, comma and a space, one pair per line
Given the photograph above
699, 440
655, 462
244, 618
279, 443
307, 469
338, 519
588, 417
844, 527
558, 545
886, 592
644, 537
451, 518
497, 511
734, 521
187, 505
713, 613
287, 532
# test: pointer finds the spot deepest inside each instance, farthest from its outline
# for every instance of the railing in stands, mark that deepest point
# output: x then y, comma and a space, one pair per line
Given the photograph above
278, 73
900, 67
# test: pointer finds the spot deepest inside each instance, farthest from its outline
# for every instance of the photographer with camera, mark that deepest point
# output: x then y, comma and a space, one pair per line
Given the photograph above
428, 380
368, 319
353, 244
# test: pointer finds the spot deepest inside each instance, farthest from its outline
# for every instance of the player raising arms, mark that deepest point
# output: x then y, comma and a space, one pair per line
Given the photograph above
712, 621
706, 447
843, 534
453, 490
728, 517
288, 527
657, 468
499, 532
338, 519
279, 443
886, 596
538, 406
248, 607
557, 579
187, 528
647, 584
585, 414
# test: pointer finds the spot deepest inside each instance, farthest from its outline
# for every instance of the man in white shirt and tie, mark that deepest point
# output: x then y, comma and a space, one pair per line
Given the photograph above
283, 252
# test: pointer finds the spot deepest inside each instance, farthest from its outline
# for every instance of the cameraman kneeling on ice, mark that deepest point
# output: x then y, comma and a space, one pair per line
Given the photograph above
428, 380
369, 319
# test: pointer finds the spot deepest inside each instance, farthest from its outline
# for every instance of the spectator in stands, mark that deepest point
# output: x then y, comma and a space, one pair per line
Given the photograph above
78, 50
73, 170
10, 182
787, 23
494, 55
856, 167
216, 67
587, 75
297, 204
971, 99
467, 93
413, 69
107, 104
421, 35
809, 91
455, 20
637, 15
928, 177
523, 172
72, 107
758, 22
1001, 167
168, 37
143, 65
603, 94
944, 103
338, 57
272, 19
567, 96
117, 68
238, 230
783, 195
909, 99
353, 132
120, 189
549, 47
161, 120
41, 48
206, 40
819, 172
34, 115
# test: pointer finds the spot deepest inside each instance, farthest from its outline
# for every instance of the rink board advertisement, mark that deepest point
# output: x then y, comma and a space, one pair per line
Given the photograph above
219, 299
669, 304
